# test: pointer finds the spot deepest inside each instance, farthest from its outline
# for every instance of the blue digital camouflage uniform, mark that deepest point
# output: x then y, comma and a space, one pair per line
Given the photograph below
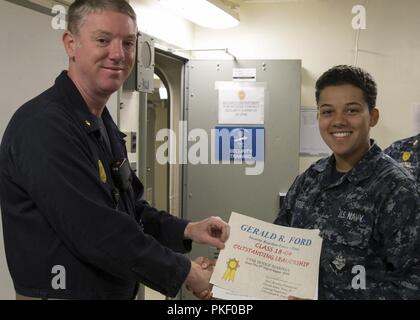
407, 153
370, 218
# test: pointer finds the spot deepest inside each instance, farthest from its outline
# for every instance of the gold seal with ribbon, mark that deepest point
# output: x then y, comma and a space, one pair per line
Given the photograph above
406, 156
229, 274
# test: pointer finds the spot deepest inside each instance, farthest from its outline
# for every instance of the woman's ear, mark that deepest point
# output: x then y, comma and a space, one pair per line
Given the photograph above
374, 117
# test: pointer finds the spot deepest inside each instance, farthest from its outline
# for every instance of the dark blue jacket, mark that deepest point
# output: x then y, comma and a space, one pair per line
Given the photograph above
58, 208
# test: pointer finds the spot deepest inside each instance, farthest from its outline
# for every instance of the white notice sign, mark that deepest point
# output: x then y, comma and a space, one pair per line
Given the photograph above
244, 74
241, 105
311, 142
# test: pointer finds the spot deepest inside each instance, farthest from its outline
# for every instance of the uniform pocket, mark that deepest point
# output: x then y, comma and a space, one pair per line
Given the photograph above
345, 248
352, 224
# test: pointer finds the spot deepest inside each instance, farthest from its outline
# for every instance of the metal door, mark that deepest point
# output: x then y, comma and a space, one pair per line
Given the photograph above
219, 189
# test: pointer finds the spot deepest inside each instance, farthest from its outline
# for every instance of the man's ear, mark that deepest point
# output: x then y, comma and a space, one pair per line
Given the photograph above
69, 42
374, 117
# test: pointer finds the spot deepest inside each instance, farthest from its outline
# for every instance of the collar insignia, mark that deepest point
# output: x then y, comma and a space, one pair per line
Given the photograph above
102, 173
406, 156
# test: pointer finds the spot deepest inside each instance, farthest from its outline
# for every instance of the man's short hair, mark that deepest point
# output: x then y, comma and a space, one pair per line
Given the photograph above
344, 74
81, 8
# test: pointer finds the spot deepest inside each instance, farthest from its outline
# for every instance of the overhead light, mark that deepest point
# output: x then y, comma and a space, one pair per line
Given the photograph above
163, 93
206, 13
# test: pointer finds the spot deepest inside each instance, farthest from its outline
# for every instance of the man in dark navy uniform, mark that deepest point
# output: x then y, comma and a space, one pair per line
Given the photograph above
71, 206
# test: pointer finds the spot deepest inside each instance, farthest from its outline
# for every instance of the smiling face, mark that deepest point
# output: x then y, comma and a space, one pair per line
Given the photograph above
344, 123
102, 53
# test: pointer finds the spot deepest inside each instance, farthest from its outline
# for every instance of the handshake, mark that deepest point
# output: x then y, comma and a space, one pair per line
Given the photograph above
214, 232
198, 280
295, 260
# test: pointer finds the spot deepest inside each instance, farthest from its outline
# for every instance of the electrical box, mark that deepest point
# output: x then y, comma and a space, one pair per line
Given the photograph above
145, 63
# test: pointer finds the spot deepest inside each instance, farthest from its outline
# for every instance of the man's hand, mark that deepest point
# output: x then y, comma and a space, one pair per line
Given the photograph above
198, 281
212, 231
206, 263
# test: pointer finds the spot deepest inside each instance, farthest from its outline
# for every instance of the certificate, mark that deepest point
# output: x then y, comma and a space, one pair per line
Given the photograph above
266, 261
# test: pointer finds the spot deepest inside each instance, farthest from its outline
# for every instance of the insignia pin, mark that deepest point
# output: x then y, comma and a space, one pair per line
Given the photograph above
406, 156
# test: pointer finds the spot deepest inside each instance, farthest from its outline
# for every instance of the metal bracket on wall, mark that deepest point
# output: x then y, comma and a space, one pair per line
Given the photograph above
145, 63
131, 141
226, 50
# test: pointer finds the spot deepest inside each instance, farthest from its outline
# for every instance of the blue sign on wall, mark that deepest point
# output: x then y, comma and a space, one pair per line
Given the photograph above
239, 143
